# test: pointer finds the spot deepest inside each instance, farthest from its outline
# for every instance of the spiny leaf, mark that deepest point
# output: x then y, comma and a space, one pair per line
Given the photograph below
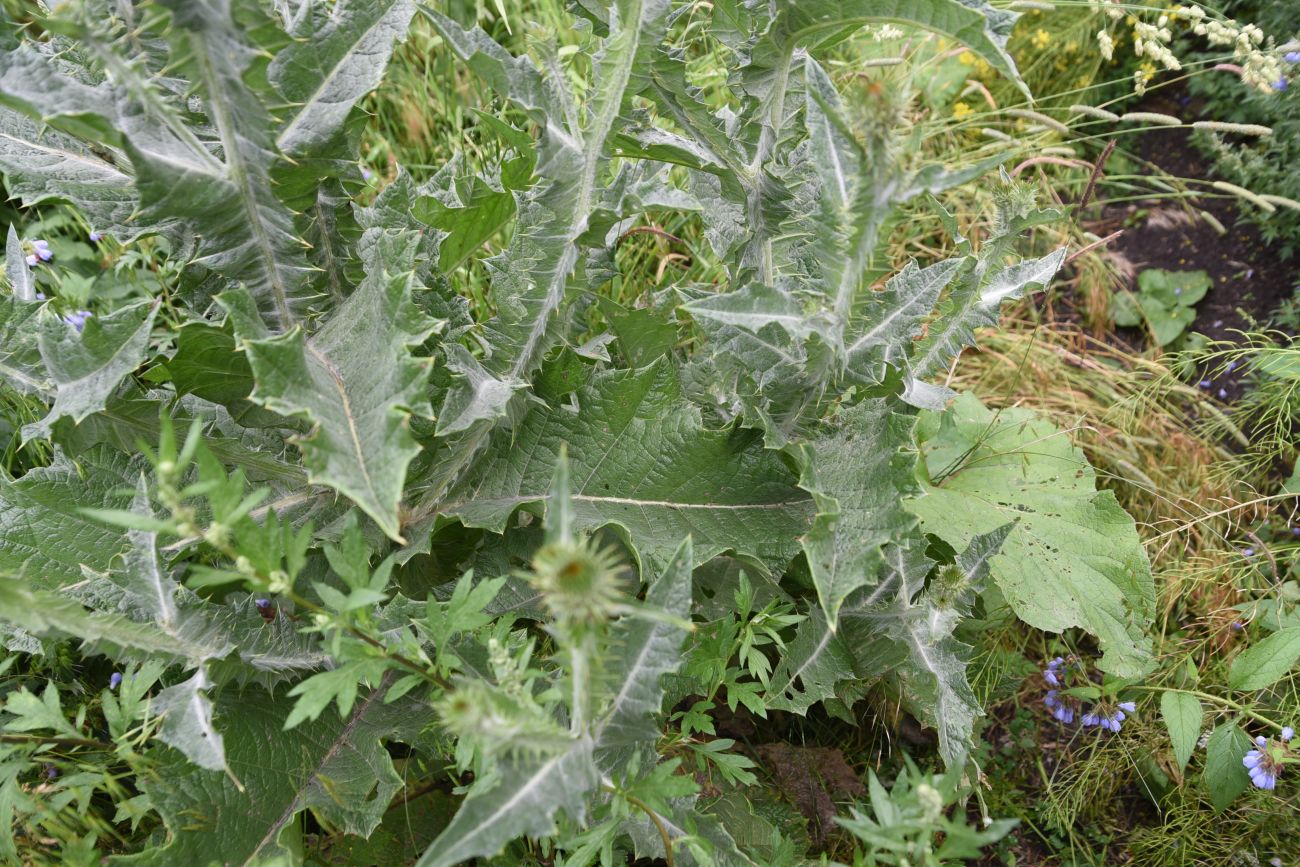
650, 647
356, 381
336, 767
246, 233
640, 459
857, 473
522, 802
45, 504
85, 364
338, 56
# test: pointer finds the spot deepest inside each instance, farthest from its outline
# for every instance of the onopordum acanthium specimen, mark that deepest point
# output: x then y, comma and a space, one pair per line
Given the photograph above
368, 514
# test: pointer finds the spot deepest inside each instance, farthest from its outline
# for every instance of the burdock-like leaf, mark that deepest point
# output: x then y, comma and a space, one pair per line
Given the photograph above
356, 381
640, 459
85, 364
1074, 559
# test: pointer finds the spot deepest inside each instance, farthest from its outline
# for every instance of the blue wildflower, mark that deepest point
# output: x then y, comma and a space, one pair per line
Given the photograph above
1107, 718
1232, 365
1249, 552
1205, 383
1063, 708
1265, 761
1223, 392
78, 318
1292, 57
51, 772
1237, 626
366, 174
1295, 531
95, 237
115, 680
1281, 84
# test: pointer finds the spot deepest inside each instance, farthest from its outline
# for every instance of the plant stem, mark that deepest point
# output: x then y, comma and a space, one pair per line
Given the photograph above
654, 818
1225, 702
56, 741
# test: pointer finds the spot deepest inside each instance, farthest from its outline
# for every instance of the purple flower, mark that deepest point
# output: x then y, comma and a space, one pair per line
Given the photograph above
1061, 708
42, 250
1295, 531
1237, 626
51, 772
1265, 761
1292, 57
78, 319
115, 680
1248, 552
95, 237
1280, 85
366, 174
262, 604
1223, 392
40, 296
1205, 383
1109, 719
1050, 676
1232, 365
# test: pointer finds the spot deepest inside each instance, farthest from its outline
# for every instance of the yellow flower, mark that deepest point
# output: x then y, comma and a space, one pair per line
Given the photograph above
1041, 38
960, 110
967, 58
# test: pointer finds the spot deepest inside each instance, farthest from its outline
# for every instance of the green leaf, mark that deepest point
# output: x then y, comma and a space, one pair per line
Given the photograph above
245, 233
857, 473
337, 57
641, 460
21, 281
20, 355
86, 365
649, 647
1267, 662
356, 381
1166, 321
46, 504
335, 767
187, 722
976, 302
1225, 776
522, 802
1075, 558
1182, 714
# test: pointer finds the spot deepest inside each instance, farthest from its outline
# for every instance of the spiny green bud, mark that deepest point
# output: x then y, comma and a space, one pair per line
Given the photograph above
579, 583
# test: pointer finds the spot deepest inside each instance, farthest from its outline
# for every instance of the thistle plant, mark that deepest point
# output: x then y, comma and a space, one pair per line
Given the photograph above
329, 508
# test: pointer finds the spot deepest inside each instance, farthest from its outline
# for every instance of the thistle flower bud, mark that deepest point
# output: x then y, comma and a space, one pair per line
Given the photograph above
579, 582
